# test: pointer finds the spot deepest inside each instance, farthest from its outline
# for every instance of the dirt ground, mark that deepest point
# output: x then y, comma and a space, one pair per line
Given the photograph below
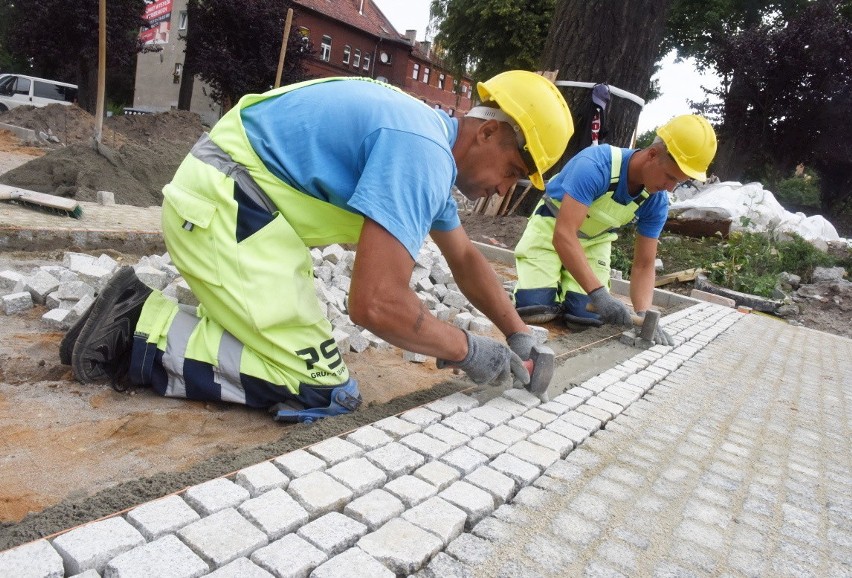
73, 453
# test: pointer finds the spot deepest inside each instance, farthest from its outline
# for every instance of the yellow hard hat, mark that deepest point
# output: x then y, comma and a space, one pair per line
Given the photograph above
538, 108
691, 141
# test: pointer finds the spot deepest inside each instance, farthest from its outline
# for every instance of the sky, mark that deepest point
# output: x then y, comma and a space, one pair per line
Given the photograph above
679, 82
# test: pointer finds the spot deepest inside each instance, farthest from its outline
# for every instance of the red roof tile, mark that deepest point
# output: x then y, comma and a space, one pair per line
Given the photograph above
366, 16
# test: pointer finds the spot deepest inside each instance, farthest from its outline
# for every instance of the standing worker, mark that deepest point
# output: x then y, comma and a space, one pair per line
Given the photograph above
563, 257
337, 160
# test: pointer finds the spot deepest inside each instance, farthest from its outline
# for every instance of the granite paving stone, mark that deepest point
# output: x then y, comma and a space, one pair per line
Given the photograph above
507, 435
33, 560
522, 397
222, 537
319, 493
431, 448
90, 547
333, 533
438, 474
421, 416
240, 568
353, 563
487, 446
375, 508
535, 454
299, 463
358, 474
465, 424
276, 513
166, 557
505, 404
447, 435
335, 450
261, 478
465, 459
410, 490
439, 517
396, 427
501, 486
491, 415
369, 437
289, 557
160, 517
474, 501
401, 546
396, 459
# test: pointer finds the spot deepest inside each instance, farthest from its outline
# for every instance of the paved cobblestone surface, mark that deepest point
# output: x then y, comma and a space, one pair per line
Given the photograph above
726, 455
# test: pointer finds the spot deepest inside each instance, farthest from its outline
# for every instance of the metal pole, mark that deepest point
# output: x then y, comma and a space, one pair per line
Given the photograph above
99, 107
287, 24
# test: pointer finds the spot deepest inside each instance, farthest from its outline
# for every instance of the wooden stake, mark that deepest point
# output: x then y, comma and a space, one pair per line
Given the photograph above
280, 70
99, 107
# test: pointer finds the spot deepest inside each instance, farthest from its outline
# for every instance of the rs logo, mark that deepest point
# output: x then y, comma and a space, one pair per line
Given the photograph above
329, 352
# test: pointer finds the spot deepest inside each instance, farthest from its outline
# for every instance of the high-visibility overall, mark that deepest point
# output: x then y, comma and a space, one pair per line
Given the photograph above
240, 237
542, 279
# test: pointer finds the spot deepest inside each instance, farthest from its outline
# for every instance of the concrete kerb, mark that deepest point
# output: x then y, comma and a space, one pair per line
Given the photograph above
28, 136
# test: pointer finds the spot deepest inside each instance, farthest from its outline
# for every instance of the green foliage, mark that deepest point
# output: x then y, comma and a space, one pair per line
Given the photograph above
622, 251
646, 138
484, 37
233, 46
798, 191
751, 262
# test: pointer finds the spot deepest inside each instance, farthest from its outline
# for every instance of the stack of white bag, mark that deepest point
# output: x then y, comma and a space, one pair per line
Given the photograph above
749, 208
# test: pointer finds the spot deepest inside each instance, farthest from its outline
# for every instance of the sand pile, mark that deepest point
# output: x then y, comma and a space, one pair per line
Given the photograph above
147, 151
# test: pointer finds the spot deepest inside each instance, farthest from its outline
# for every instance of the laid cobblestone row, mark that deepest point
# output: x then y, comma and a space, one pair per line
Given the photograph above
433, 490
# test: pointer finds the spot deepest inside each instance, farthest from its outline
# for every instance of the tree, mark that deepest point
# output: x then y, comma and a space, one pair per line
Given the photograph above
485, 37
66, 48
233, 46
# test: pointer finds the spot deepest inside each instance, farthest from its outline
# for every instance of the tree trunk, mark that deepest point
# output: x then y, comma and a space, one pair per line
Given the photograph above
87, 85
187, 82
605, 41
734, 148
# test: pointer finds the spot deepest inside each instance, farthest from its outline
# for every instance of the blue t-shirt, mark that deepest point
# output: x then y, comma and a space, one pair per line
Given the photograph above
586, 176
365, 148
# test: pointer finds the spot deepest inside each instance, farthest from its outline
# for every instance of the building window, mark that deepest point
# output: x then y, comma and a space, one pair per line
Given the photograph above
366, 61
325, 48
452, 112
441, 79
455, 85
416, 72
347, 50
425, 75
182, 20
464, 90
178, 72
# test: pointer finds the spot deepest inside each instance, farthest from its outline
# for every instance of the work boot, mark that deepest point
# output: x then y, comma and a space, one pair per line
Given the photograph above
537, 314
102, 348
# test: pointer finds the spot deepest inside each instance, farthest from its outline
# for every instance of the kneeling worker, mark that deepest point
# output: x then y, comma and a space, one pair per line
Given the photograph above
337, 160
563, 257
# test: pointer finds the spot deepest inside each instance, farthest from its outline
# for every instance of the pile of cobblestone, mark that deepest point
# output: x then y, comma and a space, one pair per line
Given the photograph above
69, 289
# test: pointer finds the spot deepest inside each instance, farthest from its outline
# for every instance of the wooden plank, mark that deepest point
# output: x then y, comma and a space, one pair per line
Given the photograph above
520, 199
492, 206
680, 276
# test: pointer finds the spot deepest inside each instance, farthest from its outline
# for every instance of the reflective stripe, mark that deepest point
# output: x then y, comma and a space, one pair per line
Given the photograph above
209, 152
227, 374
175, 354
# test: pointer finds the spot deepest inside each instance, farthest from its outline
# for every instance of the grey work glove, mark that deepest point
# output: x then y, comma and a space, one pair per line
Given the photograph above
660, 336
521, 343
489, 361
610, 309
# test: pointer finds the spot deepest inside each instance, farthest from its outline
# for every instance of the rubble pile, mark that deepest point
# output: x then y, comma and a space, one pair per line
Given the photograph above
69, 289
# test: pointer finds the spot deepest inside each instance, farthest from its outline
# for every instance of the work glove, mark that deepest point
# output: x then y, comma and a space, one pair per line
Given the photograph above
521, 343
610, 309
660, 336
489, 361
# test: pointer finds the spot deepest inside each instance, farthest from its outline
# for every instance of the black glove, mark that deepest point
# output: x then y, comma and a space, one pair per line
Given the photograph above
489, 361
660, 336
610, 309
521, 343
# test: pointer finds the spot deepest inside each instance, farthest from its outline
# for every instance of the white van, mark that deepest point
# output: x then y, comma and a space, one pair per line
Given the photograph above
20, 89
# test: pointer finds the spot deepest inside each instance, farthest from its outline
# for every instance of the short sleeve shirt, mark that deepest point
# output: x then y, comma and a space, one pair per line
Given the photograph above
585, 178
363, 147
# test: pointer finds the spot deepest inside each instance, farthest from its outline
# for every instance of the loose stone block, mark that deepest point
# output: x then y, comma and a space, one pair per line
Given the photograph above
299, 463
522, 472
414, 357
439, 475
507, 405
319, 493
369, 437
290, 557
480, 325
374, 509
540, 334
421, 416
569, 400
401, 546
36, 559
261, 478
335, 450
534, 454
17, 302
167, 556
160, 517
9, 280
501, 486
490, 415
522, 396
222, 537
90, 547
58, 318
276, 513
333, 533
352, 563
551, 440
462, 320
449, 436
426, 445
439, 517
215, 495
410, 490
464, 459
396, 459
473, 501
396, 427
359, 475
465, 424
